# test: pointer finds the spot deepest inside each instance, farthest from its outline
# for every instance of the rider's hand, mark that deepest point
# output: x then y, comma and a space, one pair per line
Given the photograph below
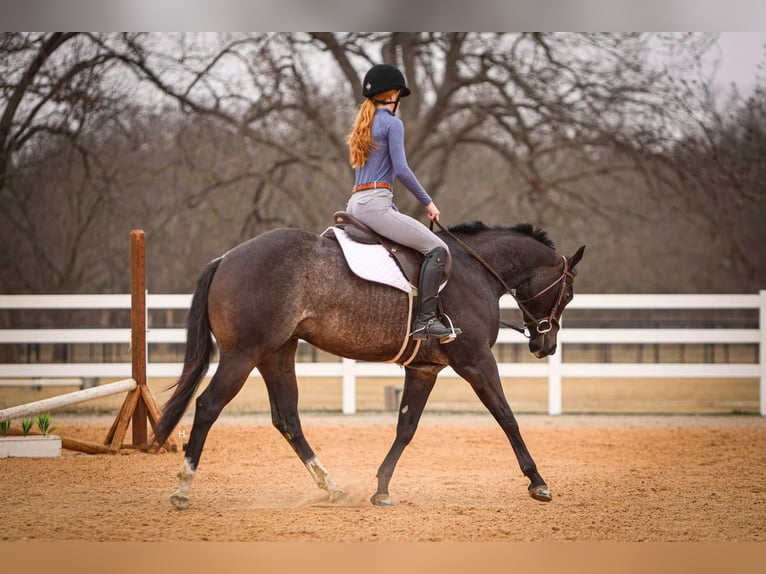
433, 211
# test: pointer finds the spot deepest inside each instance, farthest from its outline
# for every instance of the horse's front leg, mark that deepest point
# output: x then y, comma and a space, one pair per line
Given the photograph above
483, 376
418, 383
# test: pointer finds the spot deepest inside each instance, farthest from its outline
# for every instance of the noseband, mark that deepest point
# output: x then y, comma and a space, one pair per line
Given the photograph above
542, 326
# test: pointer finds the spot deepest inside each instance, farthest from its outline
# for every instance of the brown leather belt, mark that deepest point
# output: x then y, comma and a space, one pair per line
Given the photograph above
372, 185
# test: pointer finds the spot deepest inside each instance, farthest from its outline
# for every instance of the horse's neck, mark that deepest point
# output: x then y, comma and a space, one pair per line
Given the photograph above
517, 261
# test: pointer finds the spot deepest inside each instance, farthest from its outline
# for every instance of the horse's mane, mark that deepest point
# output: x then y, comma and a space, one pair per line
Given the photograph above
475, 227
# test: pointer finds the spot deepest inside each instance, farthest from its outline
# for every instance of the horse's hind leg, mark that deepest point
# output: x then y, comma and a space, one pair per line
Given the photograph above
232, 373
278, 371
418, 384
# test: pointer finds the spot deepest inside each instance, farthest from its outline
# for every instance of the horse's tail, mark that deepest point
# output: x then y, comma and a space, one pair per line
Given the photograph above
199, 348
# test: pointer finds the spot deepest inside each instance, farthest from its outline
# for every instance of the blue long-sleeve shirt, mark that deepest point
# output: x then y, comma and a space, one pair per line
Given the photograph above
388, 159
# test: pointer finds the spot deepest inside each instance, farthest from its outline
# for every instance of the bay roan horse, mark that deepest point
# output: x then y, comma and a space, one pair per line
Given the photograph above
264, 295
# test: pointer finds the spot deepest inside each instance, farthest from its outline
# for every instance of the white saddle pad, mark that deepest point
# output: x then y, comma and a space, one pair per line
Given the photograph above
371, 262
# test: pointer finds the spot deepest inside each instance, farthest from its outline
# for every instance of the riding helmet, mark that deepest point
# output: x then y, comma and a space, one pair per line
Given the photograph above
384, 77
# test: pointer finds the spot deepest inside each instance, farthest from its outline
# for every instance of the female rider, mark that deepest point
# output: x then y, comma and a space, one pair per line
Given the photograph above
376, 152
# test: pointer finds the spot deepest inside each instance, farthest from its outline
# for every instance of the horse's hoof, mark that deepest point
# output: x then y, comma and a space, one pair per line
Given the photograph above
541, 493
382, 500
336, 495
180, 501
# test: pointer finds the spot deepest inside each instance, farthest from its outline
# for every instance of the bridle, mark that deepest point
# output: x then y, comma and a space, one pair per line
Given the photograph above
542, 325
545, 324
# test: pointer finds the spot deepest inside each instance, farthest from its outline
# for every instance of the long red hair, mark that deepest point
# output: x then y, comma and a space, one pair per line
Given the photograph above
360, 142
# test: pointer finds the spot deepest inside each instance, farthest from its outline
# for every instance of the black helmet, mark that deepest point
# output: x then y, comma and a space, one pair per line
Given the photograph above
384, 77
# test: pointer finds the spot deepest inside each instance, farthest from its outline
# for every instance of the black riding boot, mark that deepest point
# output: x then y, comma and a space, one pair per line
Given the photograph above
427, 323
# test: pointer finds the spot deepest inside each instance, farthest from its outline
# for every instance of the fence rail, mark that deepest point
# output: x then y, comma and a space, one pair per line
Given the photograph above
554, 370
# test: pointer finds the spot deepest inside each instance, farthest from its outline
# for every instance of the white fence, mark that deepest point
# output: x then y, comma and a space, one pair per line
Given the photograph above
553, 369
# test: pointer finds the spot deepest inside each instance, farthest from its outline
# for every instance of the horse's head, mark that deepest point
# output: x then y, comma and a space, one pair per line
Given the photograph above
543, 299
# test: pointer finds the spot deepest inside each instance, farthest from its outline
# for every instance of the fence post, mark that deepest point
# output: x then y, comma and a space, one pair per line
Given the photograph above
349, 387
762, 348
138, 327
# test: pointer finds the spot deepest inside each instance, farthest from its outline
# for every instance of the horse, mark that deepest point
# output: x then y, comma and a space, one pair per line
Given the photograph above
286, 284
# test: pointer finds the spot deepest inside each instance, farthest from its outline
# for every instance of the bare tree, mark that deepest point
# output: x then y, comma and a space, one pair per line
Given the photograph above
87, 152
717, 175
207, 139
57, 94
534, 100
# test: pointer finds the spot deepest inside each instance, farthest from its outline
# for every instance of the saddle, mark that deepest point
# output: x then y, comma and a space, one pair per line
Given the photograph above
409, 260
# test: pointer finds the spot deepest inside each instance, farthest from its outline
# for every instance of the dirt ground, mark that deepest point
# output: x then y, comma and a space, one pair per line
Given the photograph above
614, 478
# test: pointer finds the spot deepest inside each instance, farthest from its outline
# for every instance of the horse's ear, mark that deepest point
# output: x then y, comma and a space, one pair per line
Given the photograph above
575, 259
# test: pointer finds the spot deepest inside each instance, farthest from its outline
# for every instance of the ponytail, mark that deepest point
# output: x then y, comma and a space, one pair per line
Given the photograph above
360, 142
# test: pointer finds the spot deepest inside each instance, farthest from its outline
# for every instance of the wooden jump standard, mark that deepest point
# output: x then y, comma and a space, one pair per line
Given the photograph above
139, 405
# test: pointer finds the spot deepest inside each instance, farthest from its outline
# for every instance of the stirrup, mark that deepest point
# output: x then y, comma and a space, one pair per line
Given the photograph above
422, 333
454, 332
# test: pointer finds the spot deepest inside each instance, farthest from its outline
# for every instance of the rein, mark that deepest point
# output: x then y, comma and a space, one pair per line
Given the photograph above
543, 325
475, 255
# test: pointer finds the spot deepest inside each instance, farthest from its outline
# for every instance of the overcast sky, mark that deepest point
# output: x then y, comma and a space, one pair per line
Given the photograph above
741, 52
743, 57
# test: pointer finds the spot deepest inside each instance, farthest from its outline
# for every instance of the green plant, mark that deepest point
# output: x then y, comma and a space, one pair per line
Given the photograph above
26, 425
4, 426
44, 423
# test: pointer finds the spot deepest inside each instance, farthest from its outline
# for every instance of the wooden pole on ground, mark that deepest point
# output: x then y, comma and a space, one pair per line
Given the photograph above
71, 443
